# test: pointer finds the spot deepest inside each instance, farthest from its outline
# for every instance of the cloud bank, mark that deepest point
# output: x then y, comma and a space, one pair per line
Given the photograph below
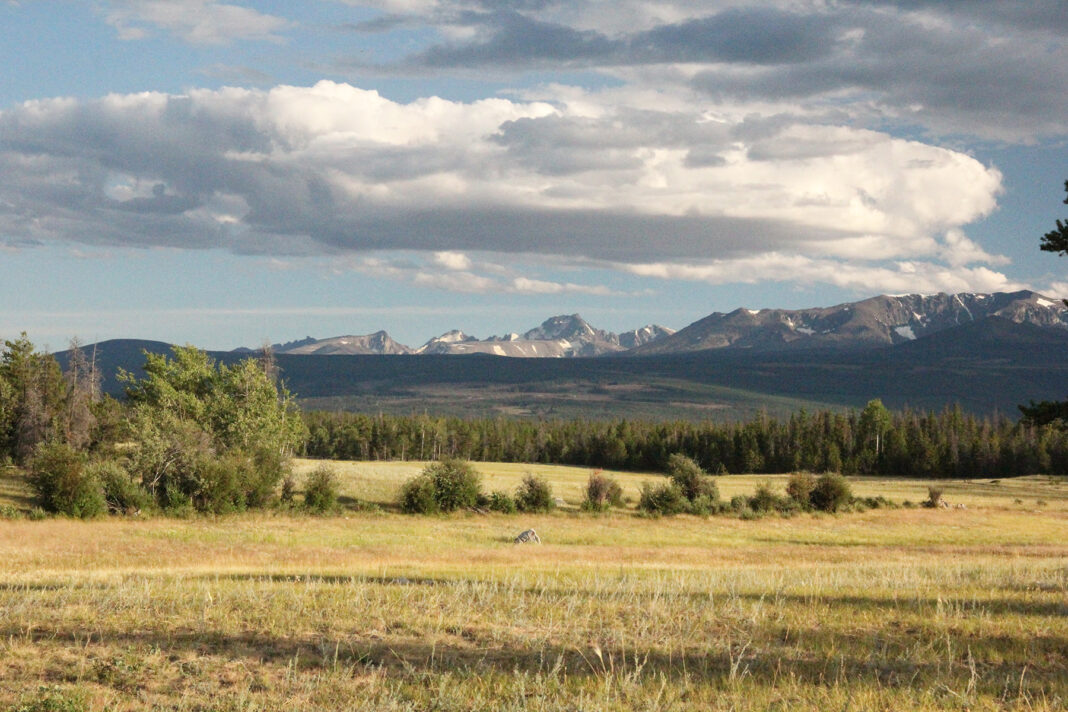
723, 141
335, 169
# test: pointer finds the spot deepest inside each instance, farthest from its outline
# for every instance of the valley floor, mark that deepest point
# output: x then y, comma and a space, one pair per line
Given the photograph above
887, 609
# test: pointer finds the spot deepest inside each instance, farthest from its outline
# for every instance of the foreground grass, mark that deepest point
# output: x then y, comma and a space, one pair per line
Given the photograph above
888, 609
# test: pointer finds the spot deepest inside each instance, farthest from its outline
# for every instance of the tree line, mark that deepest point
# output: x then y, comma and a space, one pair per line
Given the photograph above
873, 441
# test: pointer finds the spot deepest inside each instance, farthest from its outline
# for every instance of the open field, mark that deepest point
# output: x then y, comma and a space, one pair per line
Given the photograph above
379, 483
882, 610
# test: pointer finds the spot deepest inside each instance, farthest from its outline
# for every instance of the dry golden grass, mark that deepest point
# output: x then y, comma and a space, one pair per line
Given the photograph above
887, 609
379, 482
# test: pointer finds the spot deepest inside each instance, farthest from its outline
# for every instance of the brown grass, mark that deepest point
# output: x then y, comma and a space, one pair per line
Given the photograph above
887, 609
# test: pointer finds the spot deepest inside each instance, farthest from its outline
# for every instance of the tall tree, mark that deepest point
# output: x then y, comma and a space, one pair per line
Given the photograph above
1046, 412
1057, 240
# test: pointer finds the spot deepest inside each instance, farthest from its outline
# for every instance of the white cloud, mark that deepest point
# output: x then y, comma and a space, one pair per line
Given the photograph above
203, 22
333, 169
896, 278
453, 260
451, 272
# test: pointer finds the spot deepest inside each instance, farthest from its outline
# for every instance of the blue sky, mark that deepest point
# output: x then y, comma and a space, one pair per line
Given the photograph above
225, 173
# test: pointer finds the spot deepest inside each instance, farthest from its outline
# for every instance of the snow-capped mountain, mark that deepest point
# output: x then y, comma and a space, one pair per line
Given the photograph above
376, 343
564, 336
878, 321
870, 323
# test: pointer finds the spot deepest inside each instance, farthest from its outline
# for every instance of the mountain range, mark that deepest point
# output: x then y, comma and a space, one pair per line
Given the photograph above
985, 352
564, 336
870, 323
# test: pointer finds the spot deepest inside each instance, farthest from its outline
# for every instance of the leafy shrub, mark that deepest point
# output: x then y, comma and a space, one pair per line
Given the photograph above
267, 469
764, 500
220, 485
502, 502
8, 511
443, 486
706, 505
456, 484
122, 494
831, 493
321, 490
799, 488
691, 479
602, 492
289, 489
62, 483
417, 496
534, 494
664, 499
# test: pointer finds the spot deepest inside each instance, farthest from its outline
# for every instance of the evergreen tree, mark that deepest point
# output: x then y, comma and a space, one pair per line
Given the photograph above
1057, 240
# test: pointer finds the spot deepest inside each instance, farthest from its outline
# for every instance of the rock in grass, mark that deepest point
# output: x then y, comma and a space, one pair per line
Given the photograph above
527, 537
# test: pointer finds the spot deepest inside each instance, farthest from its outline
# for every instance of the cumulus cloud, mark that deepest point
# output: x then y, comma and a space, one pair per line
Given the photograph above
203, 22
333, 168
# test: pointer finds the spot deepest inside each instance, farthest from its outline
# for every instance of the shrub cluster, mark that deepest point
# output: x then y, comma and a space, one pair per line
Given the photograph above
690, 489
830, 492
450, 484
443, 486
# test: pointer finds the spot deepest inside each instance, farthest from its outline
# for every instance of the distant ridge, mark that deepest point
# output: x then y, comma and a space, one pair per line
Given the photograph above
870, 323
565, 336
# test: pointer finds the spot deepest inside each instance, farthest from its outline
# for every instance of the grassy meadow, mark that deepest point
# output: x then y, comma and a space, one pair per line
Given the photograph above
889, 609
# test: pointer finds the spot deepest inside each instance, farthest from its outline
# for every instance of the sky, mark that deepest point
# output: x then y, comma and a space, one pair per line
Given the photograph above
233, 173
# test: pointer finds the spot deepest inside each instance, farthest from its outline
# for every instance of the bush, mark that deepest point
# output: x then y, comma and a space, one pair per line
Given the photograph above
417, 496
831, 493
289, 489
690, 478
443, 486
764, 500
121, 493
456, 484
665, 499
321, 490
502, 502
220, 485
62, 483
934, 497
534, 494
705, 505
799, 488
8, 511
601, 493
